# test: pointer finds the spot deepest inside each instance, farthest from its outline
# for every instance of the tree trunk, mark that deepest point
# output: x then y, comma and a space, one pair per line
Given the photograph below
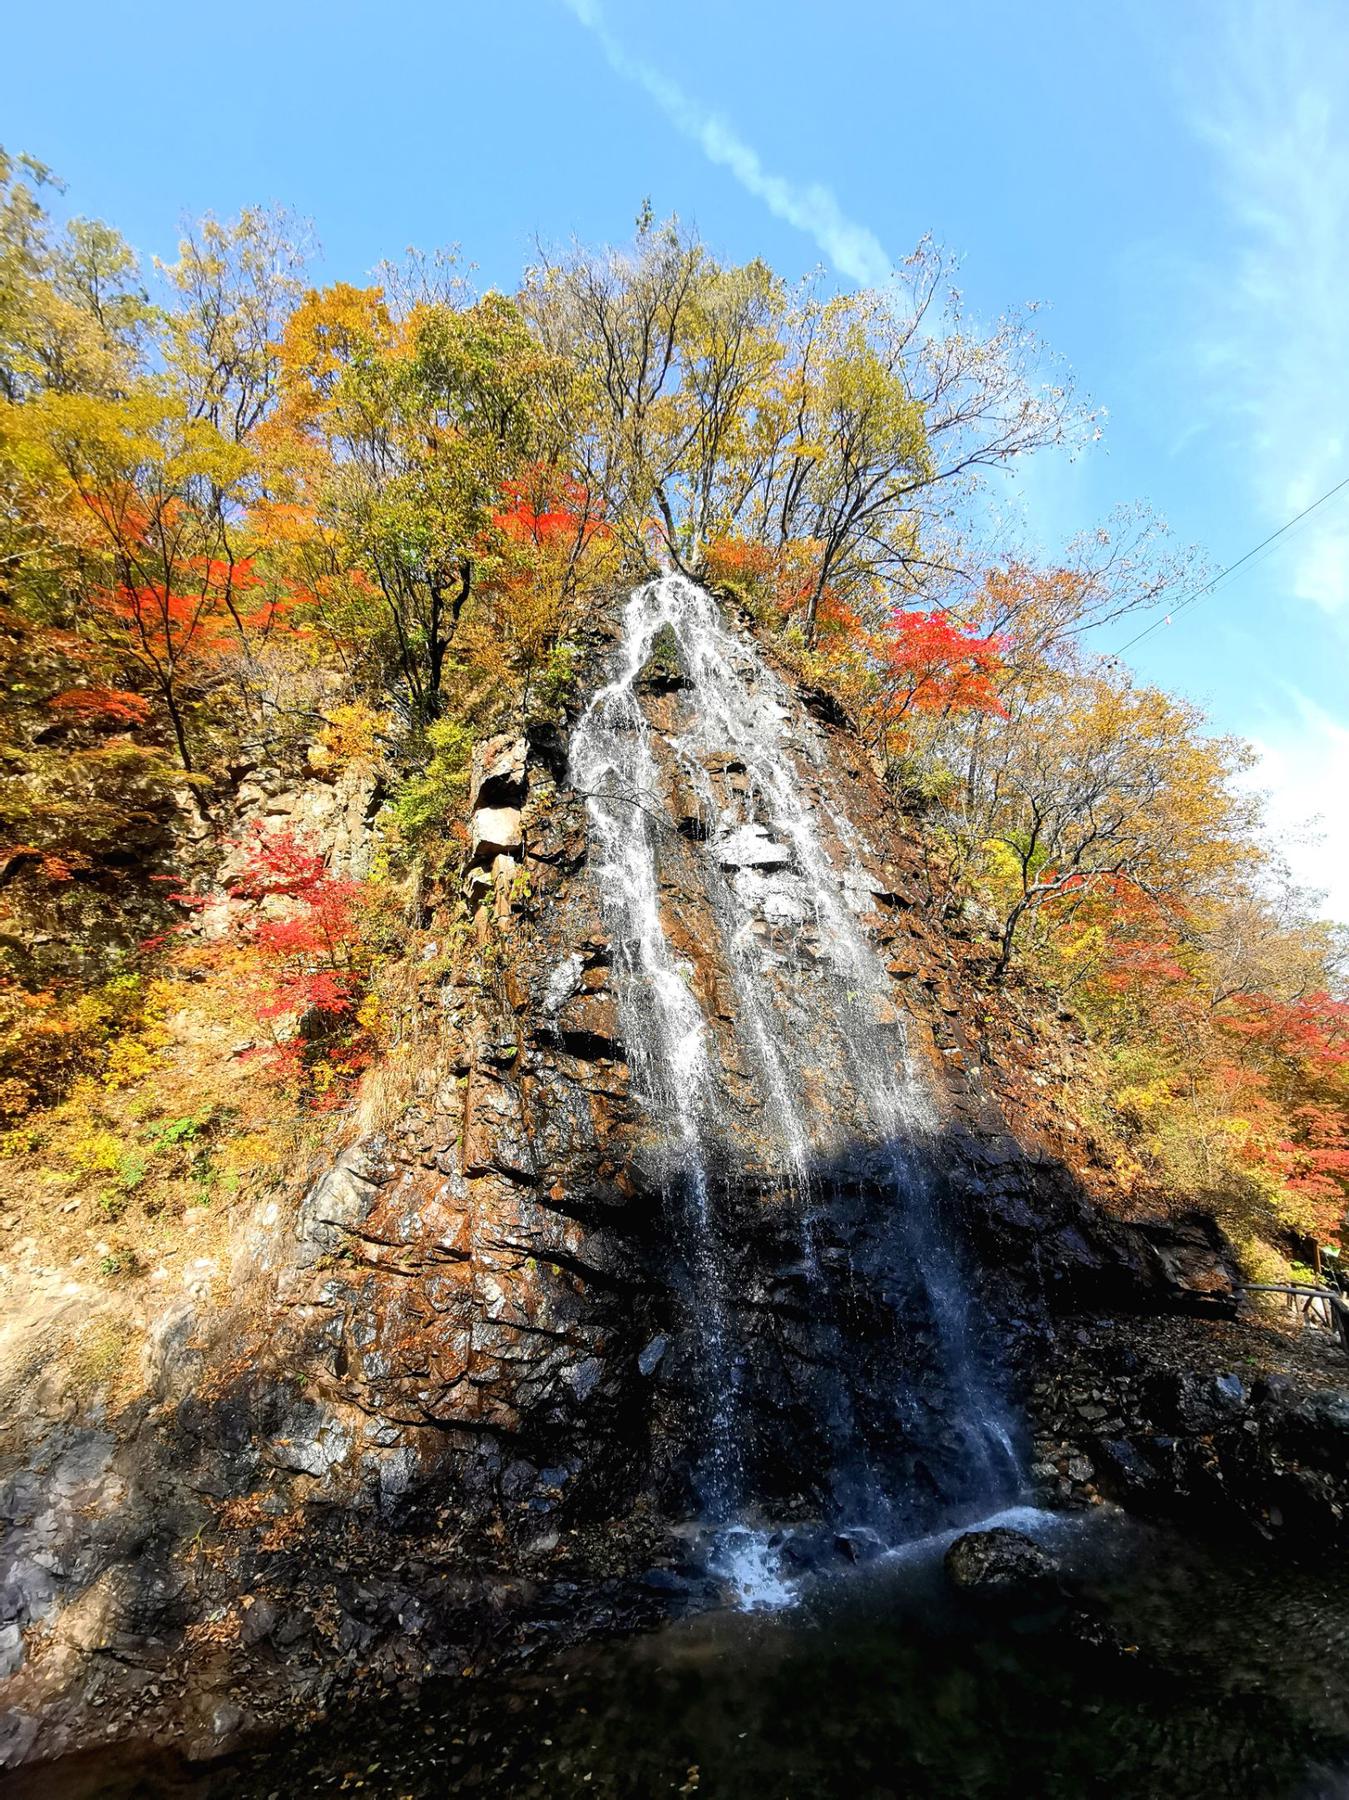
441, 639
1009, 938
179, 729
812, 608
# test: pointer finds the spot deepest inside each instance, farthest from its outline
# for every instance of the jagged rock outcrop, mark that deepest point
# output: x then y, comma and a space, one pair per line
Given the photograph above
1233, 1427
455, 1392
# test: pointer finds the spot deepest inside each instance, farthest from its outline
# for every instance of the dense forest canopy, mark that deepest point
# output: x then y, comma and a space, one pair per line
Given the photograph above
246, 521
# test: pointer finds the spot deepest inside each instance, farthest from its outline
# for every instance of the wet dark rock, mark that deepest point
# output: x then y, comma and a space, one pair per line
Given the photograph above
1129, 1468
664, 1581
1312, 1428
1002, 1566
1095, 1632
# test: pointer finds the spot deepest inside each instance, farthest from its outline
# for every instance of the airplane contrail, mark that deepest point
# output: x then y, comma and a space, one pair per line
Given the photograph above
851, 248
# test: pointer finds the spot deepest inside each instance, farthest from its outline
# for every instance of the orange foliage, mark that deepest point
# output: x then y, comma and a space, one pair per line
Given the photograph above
1278, 1068
549, 510
784, 578
101, 706
927, 662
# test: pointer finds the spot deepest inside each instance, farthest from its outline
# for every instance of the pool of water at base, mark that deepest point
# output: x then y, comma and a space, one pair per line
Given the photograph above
1170, 1670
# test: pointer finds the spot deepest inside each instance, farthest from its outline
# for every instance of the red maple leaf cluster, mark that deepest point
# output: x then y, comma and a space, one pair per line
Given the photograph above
930, 663
101, 706
550, 511
305, 963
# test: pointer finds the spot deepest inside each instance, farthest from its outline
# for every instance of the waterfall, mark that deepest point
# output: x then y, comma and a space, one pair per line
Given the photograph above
612, 763
736, 776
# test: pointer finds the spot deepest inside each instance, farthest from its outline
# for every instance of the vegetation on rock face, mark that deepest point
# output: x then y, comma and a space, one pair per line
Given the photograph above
257, 532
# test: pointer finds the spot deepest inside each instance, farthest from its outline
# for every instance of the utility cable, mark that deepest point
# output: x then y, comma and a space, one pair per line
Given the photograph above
1200, 593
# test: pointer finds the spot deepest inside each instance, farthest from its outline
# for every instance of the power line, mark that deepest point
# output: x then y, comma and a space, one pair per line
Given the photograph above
1199, 593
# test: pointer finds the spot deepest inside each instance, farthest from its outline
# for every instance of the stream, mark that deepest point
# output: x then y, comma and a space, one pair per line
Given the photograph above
1171, 1670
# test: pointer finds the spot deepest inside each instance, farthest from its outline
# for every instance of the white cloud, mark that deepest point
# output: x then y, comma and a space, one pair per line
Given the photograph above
1304, 770
1321, 572
1267, 100
851, 248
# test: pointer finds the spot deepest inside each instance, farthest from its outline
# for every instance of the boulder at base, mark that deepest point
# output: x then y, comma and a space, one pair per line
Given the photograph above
1001, 1565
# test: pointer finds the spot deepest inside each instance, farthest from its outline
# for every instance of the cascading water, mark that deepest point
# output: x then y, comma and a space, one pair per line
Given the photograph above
612, 764
845, 1108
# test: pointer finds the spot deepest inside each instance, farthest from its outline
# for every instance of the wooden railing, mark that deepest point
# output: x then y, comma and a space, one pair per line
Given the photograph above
1319, 1305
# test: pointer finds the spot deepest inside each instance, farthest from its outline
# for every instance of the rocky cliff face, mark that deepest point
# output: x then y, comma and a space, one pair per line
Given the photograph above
731, 1193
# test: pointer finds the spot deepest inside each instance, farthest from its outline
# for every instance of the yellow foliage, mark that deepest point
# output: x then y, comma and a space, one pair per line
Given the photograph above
997, 874
1140, 1105
325, 334
351, 735
130, 1060
1086, 944
370, 1014
95, 1151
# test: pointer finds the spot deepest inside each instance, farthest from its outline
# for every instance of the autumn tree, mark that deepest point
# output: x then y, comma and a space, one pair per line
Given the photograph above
126, 434
722, 405
1092, 780
143, 481
619, 323
1037, 611
925, 662
234, 287
1267, 938
74, 322
404, 433
73, 311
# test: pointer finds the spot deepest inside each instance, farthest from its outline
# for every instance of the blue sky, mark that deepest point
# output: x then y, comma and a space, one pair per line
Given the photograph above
1170, 181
